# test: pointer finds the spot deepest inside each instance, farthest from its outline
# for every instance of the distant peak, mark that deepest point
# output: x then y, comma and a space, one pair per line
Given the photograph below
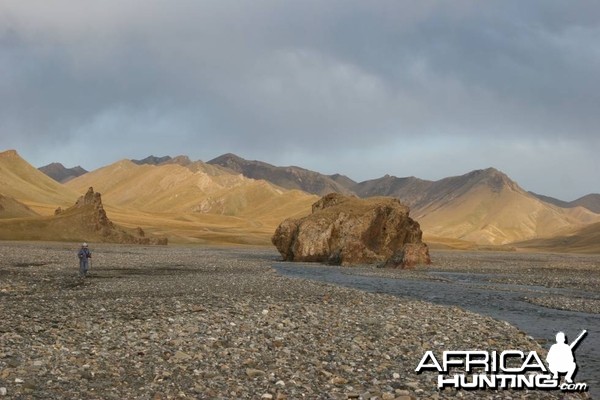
182, 160
152, 160
486, 171
226, 157
231, 155
493, 178
9, 153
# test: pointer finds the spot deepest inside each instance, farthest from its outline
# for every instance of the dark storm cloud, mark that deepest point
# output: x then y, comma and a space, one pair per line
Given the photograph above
314, 83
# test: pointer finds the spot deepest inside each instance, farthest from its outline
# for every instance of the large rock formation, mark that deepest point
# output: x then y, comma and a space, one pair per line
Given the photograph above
347, 230
89, 215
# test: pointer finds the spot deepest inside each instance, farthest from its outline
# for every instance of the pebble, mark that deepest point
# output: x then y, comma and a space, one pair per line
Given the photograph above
253, 373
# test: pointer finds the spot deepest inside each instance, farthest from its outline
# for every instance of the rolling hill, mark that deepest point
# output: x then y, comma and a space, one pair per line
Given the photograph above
584, 240
11, 208
196, 202
23, 182
86, 220
198, 187
185, 201
483, 207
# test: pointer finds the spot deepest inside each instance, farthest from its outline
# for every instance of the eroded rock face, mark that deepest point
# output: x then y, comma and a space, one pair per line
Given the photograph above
345, 230
90, 212
98, 219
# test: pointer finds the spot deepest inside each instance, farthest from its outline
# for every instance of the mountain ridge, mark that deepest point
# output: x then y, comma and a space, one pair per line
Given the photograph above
290, 177
60, 173
590, 201
345, 185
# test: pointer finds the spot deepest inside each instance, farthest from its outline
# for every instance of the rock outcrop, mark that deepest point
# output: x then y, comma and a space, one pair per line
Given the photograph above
344, 230
88, 212
92, 202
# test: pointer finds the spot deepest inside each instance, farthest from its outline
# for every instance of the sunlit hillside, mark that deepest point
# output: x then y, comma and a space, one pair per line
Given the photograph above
584, 240
497, 213
11, 208
23, 182
199, 188
193, 203
83, 221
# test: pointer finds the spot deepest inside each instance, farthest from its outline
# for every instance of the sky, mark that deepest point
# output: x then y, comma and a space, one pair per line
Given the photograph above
423, 88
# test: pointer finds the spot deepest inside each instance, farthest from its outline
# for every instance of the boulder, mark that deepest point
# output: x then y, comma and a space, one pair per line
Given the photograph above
345, 230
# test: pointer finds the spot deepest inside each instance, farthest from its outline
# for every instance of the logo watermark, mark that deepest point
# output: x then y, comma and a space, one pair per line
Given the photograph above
509, 369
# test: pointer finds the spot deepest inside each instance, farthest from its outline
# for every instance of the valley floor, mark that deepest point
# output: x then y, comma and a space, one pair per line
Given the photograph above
196, 322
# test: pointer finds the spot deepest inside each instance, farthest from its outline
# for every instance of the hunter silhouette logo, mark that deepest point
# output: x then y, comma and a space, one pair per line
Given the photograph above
508, 369
560, 357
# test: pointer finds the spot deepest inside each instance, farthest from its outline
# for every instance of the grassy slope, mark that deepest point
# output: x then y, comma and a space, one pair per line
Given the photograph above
584, 240
11, 208
23, 182
484, 216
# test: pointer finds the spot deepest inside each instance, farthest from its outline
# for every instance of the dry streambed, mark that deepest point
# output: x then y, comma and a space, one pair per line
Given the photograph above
177, 322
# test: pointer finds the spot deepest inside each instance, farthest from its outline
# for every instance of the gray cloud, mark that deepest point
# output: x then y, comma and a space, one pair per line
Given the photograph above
418, 88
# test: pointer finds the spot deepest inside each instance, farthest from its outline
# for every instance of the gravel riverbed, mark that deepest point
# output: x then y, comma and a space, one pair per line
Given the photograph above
218, 323
579, 273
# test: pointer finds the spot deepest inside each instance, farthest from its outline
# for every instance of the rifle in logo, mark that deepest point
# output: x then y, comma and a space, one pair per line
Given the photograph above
560, 357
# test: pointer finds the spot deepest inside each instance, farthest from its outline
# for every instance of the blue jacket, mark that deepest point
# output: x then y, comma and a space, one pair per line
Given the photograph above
84, 253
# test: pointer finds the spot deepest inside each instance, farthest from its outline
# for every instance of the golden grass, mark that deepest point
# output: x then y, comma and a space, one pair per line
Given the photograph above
201, 204
585, 240
11, 208
23, 182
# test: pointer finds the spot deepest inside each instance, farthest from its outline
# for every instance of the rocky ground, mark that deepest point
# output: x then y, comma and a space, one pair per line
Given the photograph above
191, 322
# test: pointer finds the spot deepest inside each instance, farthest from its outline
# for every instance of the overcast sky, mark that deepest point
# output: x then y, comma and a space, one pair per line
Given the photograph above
423, 88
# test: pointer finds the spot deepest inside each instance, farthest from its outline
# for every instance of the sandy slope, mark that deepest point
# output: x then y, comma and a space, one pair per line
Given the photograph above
22, 181
195, 203
501, 215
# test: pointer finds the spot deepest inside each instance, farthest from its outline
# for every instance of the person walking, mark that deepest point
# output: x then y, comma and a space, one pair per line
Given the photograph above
84, 255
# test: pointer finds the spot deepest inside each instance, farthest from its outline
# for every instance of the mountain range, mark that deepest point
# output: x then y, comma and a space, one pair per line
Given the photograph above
233, 200
413, 191
482, 206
